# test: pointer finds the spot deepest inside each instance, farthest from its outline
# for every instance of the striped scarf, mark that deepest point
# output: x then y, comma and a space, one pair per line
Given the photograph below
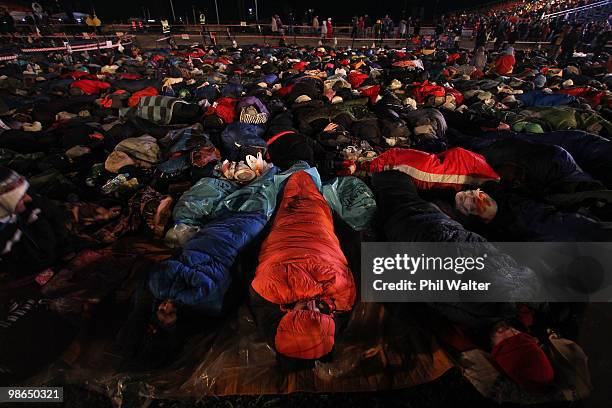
250, 115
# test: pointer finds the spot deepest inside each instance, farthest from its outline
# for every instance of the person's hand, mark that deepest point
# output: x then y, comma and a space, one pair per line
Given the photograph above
331, 127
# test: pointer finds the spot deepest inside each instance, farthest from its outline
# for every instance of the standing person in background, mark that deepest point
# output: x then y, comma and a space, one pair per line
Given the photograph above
387, 26
599, 43
323, 31
315, 24
480, 58
481, 37
273, 25
378, 30
555, 42
402, 28
512, 35
279, 25
367, 23
203, 30
330, 29
570, 42
439, 29
291, 20
417, 27
89, 23
361, 26
97, 24
354, 27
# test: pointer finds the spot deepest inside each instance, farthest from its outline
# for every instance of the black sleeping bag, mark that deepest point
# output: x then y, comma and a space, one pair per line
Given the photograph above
135, 85
405, 217
541, 169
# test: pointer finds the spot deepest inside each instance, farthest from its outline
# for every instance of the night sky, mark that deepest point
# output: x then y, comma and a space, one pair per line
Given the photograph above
236, 10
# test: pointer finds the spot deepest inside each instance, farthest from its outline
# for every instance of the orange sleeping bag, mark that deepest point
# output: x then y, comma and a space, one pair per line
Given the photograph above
300, 262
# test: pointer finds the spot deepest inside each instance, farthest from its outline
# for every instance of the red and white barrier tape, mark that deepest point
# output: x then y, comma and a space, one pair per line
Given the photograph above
76, 48
8, 57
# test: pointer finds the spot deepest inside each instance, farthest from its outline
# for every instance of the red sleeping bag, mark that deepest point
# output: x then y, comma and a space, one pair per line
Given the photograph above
452, 168
135, 98
90, 86
592, 96
357, 78
425, 90
225, 108
301, 261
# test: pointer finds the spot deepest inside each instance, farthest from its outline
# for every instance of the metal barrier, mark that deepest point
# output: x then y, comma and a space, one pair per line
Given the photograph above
576, 9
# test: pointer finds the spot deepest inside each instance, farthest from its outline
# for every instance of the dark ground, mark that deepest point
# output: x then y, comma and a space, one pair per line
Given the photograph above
594, 334
451, 390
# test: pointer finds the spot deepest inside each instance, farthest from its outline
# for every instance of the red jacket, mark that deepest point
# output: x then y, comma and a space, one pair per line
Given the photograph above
504, 64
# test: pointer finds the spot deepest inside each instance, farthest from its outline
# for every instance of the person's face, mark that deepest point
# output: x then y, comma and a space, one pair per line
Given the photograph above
166, 313
466, 201
319, 306
503, 333
21, 205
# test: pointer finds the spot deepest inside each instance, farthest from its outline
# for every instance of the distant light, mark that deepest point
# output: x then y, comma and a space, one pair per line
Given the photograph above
23, 19
151, 21
79, 20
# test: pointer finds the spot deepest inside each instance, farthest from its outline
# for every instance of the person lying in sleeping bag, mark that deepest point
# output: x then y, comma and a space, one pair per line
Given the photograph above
591, 152
193, 284
521, 217
451, 169
33, 231
200, 276
539, 169
303, 283
406, 217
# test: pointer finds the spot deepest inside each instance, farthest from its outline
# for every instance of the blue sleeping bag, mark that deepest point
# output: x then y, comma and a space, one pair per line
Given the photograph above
200, 276
539, 98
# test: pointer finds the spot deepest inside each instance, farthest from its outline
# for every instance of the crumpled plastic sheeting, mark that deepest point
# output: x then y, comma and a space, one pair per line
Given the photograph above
196, 206
352, 200
481, 371
262, 194
349, 197
375, 352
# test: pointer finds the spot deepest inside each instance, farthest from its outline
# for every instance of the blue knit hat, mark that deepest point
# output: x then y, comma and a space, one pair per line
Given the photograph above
539, 81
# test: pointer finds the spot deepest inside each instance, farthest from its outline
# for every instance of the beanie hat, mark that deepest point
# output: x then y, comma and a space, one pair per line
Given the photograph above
302, 98
571, 70
522, 359
411, 103
117, 160
395, 84
539, 81
12, 189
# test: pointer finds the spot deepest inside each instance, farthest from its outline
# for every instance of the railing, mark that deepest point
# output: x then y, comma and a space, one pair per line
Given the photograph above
577, 9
